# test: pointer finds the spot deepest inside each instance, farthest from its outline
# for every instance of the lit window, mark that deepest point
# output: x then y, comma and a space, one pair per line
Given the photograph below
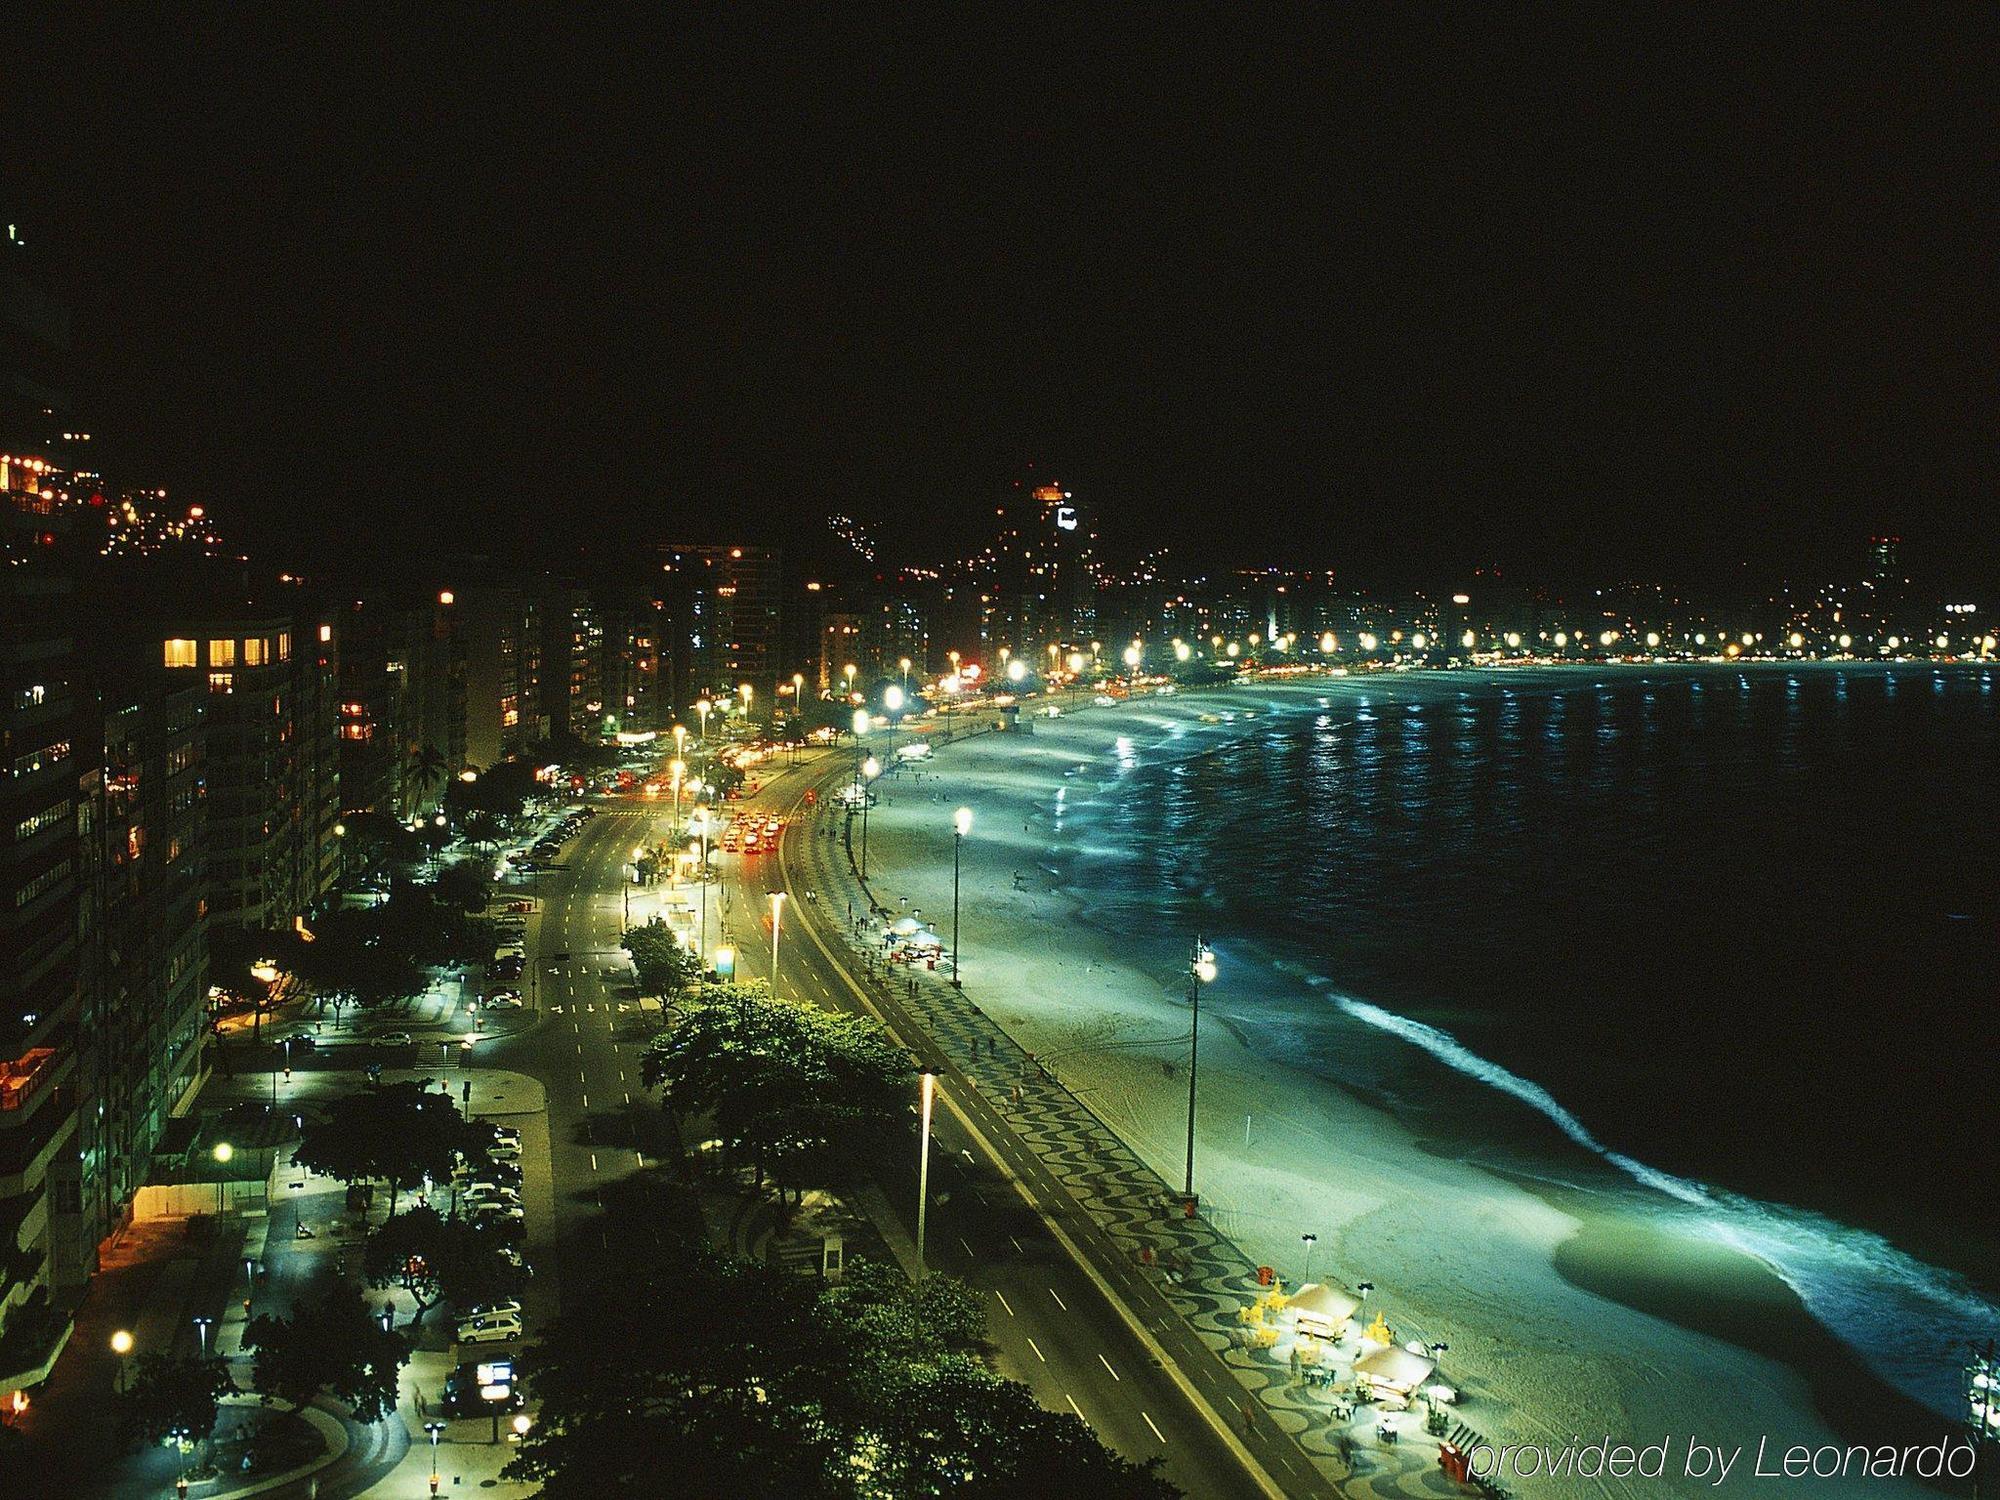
222, 653
284, 645
180, 654
222, 682
325, 634
256, 651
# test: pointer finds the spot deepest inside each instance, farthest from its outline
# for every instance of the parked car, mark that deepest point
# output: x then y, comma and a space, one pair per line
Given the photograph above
508, 968
462, 1398
504, 1000
521, 906
507, 1308
507, 1133
394, 1039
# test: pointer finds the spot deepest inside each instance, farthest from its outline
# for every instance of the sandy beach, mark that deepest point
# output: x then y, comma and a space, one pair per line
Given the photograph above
1566, 1316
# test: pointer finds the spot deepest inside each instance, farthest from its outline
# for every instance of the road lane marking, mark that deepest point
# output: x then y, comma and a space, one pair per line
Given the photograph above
586, 1101
1073, 1406
628, 1097
1156, 1431
1038, 1351
1016, 1244
1107, 1365
1059, 1301
593, 1167
1004, 1302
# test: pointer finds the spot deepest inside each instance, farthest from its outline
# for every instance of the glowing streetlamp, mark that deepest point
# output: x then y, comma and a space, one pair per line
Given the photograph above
848, 672
1182, 651
904, 663
961, 826
1017, 671
702, 710
1133, 656
1305, 1272
870, 769
222, 1153
1201, 971
928, 1084
121, 1345
777, 912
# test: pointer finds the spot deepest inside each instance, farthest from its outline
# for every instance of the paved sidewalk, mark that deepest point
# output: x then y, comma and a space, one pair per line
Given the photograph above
1210, 1280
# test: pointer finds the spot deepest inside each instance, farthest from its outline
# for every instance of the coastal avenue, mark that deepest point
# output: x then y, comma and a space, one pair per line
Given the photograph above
1052, 1327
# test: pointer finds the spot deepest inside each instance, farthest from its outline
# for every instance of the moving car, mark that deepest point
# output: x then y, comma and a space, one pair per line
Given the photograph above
393, 1039
505, 1000
521, 906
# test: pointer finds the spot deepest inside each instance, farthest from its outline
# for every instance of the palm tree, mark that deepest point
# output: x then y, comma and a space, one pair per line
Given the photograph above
428, 770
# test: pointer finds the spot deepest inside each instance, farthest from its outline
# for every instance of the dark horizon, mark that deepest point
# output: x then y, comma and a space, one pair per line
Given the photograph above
1583, 304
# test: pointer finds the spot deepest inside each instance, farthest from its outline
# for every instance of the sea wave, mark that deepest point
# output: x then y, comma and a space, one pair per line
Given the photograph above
1909, 1320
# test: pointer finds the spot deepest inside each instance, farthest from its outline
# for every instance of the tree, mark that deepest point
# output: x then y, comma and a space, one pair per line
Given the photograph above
435, 1259
797, 1089
483, 829
171, 1394
400, 1133
664, 965
335, 1344
349, 958
700, 1366
465, 885
428, 770
955, 1428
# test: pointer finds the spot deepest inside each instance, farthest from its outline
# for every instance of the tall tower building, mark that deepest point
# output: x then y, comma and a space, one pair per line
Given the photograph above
1041, 582
725, 615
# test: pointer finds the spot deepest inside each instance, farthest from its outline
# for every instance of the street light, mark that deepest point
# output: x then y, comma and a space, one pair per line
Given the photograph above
962, 825
1305, 1272
201, 1327
870, 769
702, 708
223, 1151
777, 912
725, 963
436, 1430
701, 827
121, 1345
1201, 971
929, 1088
848, 672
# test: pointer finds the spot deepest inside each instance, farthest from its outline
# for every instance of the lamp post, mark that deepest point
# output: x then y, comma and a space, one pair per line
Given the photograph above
701, 709
701, 827
121, 1345
929, 1088
893, 699
436, 1430
201, 1326
223, 1151
961, 826
1201, 971
777, 912
848, 672
870, 768
1305, 1271
798, 713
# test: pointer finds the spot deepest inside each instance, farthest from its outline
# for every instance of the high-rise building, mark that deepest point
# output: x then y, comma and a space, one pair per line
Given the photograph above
46, 784
145, 958
501, 645
402, 703
724, 610
1039, 572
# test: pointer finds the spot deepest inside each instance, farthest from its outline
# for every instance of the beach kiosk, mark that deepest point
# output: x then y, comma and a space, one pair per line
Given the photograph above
1393, 1374
1323, 1311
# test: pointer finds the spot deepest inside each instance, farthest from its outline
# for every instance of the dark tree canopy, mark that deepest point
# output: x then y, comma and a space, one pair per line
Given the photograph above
335, 1343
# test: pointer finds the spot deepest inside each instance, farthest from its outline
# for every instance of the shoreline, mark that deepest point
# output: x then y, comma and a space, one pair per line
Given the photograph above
1565, 1315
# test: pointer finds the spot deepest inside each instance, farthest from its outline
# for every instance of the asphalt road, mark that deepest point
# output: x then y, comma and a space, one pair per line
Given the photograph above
1054, 1326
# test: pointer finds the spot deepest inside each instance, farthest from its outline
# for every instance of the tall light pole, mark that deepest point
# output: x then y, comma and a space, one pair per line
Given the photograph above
702, 708
701, 826
1201, 971
1305, 1272
223, 1151
962, 825
929, 1086
893, 699
904, 663
201, 1327
848, 672
435, 1429
121, 1345
798, 712
870, 769
777, 912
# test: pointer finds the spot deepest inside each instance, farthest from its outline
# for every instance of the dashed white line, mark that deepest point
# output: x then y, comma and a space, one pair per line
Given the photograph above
1073, 1406
586, 1101
1156, 1431
593, 1167
1004, 1302
1107, 1365
1038, 1351
968, 1249
1059, 1301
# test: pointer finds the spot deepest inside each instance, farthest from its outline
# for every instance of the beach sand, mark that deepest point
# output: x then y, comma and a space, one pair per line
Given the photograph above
1566, 1317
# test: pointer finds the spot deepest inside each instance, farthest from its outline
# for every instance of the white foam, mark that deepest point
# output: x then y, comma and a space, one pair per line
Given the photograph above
1910, 1320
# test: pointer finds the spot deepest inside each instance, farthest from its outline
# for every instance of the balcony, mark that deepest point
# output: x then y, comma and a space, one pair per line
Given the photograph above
20, 1076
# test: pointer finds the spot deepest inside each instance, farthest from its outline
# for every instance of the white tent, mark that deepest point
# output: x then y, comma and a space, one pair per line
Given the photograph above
1394, 1373
1322, 1310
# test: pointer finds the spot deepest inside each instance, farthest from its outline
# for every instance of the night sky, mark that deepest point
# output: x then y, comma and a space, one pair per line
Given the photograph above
1399, 298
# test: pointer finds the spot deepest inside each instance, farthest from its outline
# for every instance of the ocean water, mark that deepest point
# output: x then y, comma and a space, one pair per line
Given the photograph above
1724, 942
